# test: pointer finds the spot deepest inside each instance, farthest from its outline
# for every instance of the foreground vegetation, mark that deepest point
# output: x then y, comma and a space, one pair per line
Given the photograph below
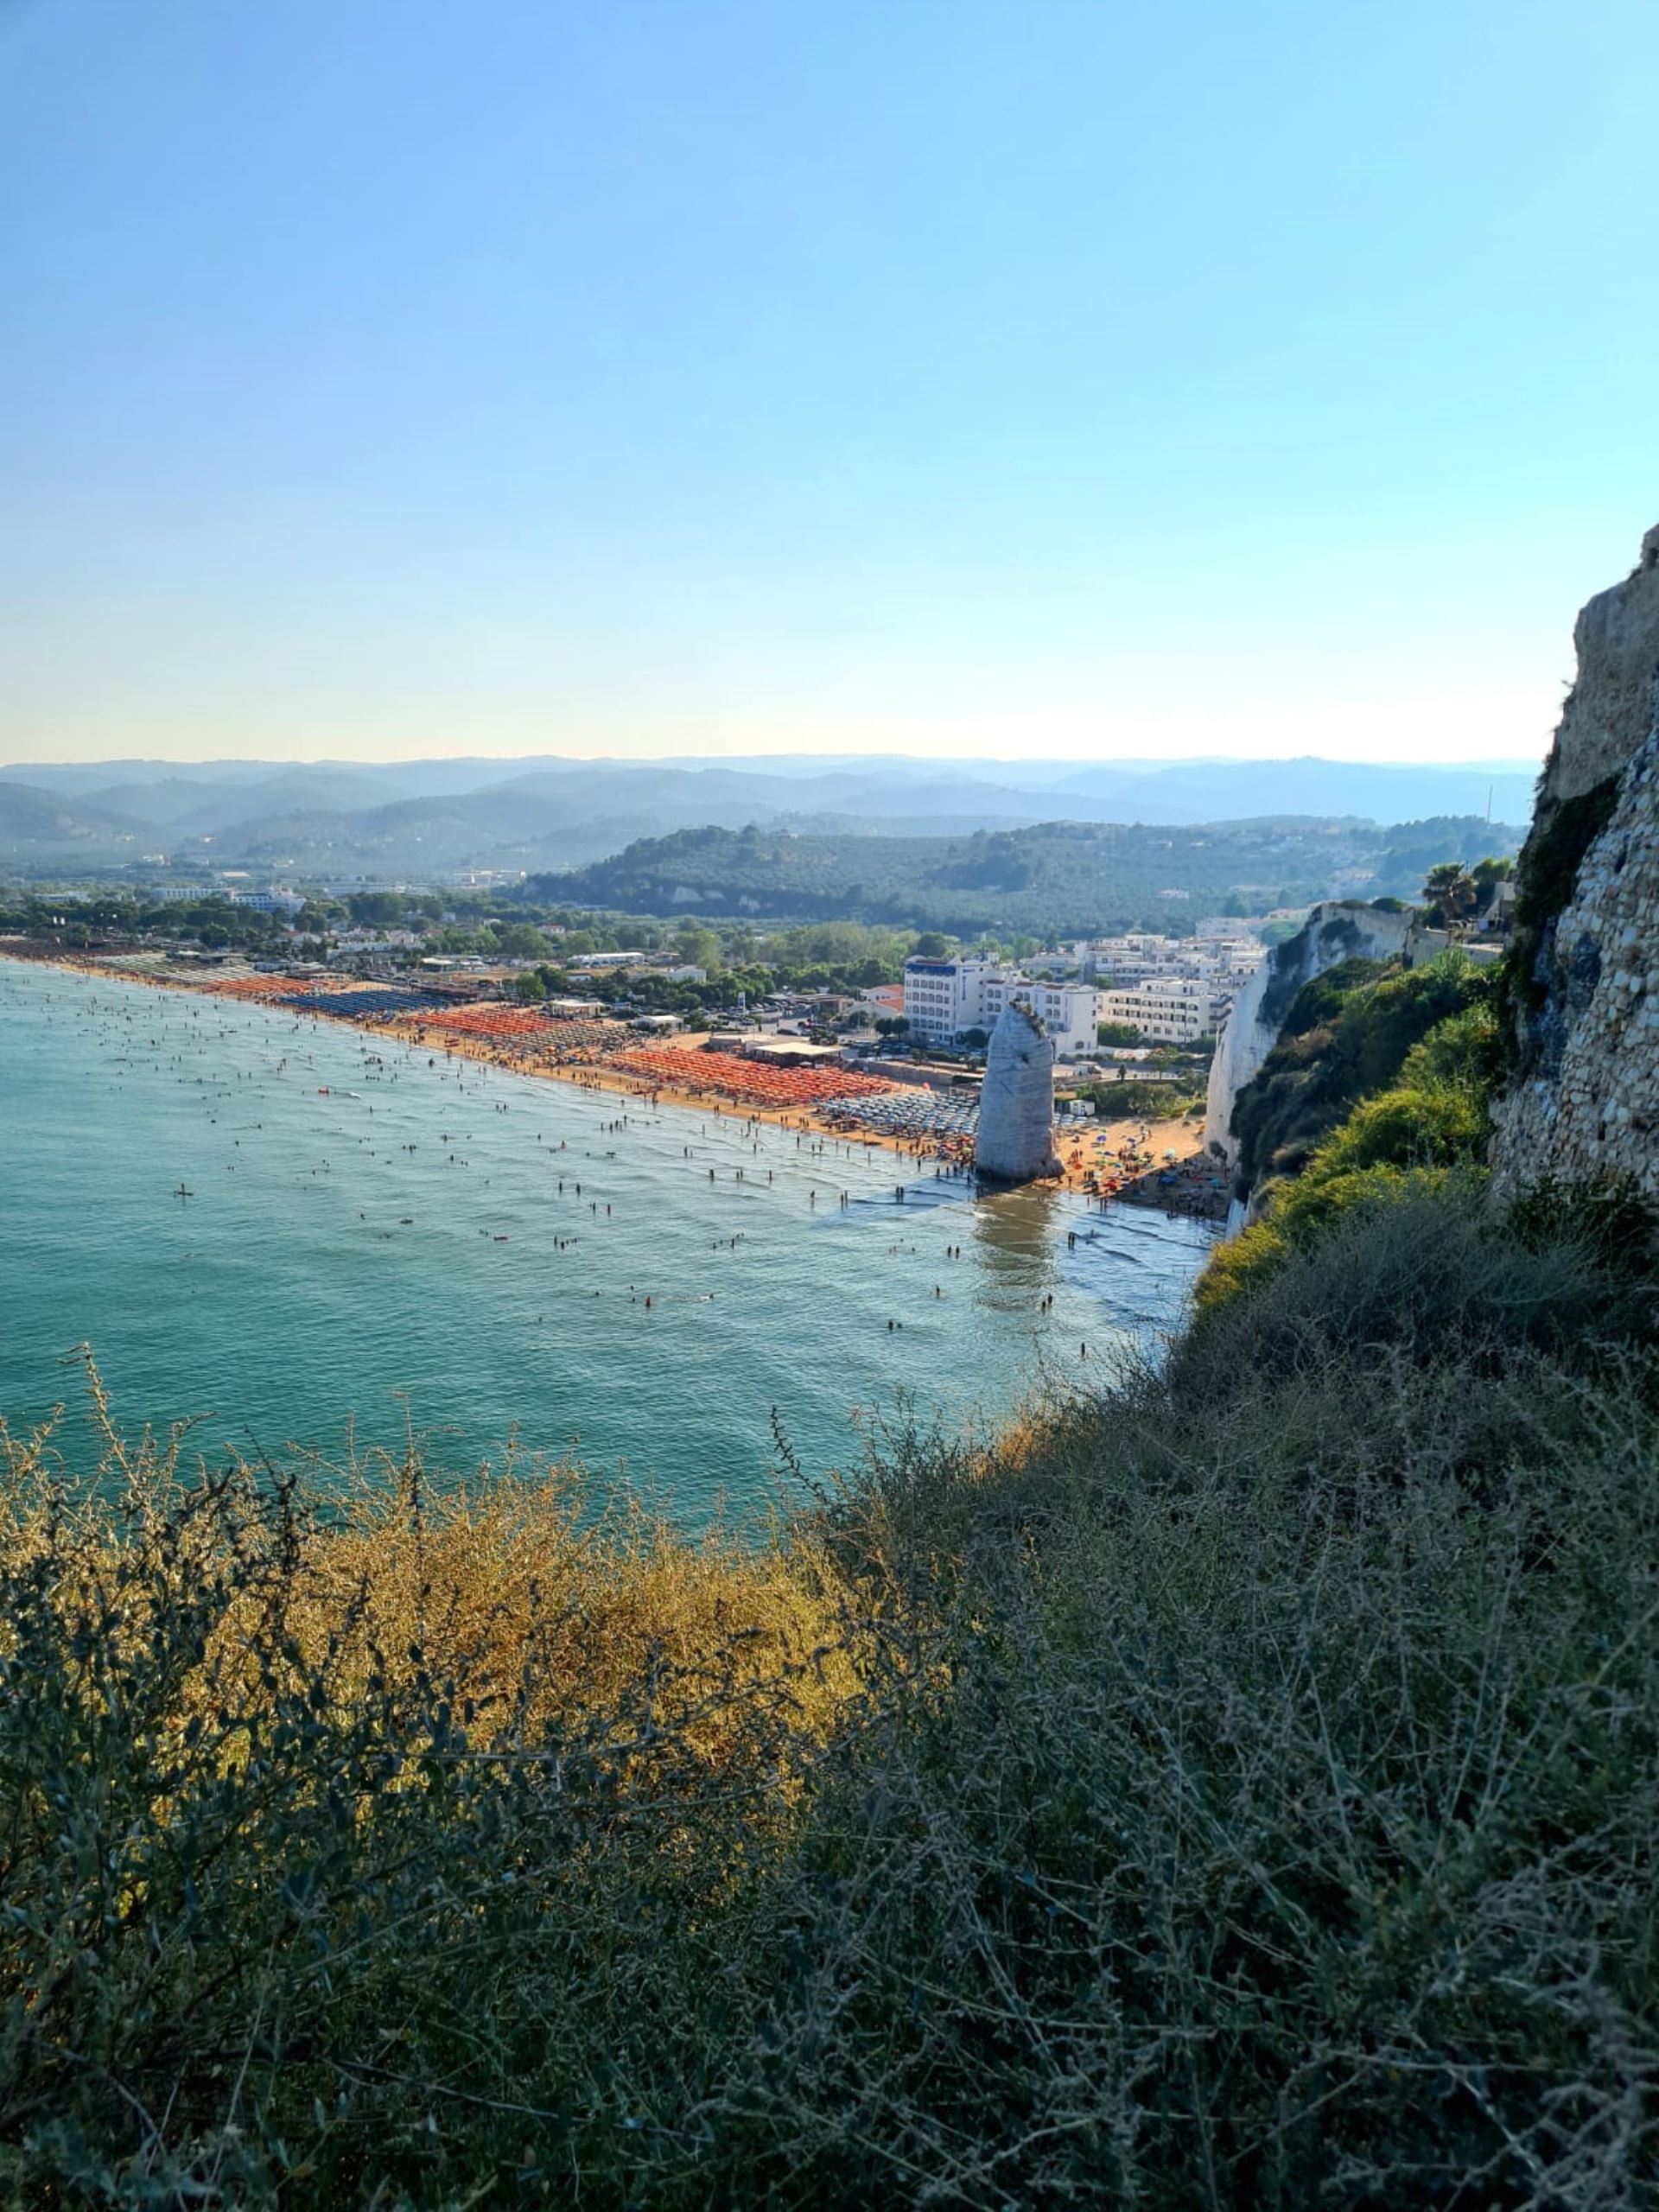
1241, 1789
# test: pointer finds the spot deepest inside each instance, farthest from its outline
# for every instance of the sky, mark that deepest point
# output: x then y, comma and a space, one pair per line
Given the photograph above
1059, 378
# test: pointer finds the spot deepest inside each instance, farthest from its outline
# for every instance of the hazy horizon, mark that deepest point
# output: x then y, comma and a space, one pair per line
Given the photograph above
962, 382
775, 763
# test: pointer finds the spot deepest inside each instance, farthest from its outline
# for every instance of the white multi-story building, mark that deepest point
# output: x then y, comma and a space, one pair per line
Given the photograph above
946, 998
1224, 963
1065, 1010
1169, 1009
1121, 961
273, 901
1236, 959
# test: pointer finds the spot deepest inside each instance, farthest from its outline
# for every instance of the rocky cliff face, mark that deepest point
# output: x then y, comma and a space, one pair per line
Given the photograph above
1584, 1100
1611, 707
1339, 930
1016, 1107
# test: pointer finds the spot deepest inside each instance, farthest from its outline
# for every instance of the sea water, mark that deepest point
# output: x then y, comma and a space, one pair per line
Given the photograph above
379, 1241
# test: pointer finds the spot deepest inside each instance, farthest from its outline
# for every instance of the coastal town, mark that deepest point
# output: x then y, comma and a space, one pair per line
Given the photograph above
899, 1064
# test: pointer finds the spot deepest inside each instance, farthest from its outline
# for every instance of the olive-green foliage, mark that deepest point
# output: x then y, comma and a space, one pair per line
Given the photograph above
1240, 1789
1053, 877
1433, 1119
1404, 1139
1549, 861
1133, 1098
1562, 833
1345, 1036
1234, 1856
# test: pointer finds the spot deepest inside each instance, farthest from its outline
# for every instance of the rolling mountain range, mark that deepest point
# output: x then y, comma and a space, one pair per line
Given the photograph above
428, 818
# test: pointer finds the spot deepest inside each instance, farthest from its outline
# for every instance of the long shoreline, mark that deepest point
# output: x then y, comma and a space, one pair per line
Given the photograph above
1136, 1185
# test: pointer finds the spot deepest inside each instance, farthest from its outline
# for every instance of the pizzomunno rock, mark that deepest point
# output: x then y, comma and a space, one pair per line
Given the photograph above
1016, 1108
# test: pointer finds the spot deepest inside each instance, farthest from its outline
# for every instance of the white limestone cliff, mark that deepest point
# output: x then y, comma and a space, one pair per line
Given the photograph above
1337, 930
1583, 1102
1015, 1143
1610, 709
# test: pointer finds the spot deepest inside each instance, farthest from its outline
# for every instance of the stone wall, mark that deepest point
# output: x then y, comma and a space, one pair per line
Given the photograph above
1584, 1100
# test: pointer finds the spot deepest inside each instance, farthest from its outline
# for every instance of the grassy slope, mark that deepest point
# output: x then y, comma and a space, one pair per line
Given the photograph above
1241, 1789
1345, 1037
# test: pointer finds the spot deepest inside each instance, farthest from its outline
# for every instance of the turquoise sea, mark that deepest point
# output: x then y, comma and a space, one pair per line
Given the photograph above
374, 1240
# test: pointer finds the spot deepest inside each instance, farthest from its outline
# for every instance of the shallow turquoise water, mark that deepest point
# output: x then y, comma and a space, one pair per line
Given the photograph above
342, 1261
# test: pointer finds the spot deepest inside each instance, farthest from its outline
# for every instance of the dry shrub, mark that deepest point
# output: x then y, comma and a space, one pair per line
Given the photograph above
1242, 1790
301, 1789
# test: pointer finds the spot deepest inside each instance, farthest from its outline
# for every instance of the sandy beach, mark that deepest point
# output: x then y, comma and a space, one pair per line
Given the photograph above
1093, 1152
1132, 1161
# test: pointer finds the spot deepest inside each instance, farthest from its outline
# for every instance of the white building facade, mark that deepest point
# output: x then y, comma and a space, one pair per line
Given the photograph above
1067, 1011
943, 998
1166, 1009
1225, 962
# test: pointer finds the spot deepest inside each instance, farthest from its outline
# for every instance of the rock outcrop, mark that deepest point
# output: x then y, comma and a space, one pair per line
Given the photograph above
1610, 708
1015, 1143
1584, 1100
1337, 930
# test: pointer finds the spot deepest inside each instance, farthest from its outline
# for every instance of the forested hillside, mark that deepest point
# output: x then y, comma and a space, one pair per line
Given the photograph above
1056, 878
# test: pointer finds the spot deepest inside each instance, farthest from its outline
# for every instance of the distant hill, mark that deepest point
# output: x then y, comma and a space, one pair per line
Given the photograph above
1055, 877
427, 818
43, 821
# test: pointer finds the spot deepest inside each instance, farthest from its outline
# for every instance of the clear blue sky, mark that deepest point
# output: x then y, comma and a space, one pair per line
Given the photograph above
382, 378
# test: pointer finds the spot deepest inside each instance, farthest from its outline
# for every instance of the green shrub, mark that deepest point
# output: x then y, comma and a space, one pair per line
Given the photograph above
1409, 1126
1247, 1258
1433, 1117
1347, 1035
1290, 1758
1134, 1100
1420, 1265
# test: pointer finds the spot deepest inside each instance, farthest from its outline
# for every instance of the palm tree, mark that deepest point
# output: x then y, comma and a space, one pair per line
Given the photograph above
1451, 893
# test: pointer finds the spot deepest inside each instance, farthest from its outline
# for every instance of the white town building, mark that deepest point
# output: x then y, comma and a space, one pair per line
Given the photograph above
1168, 1009
1067, 1011
945, 999
1224, 961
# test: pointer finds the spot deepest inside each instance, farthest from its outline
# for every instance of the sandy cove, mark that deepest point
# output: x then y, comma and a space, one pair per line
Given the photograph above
1089, 1161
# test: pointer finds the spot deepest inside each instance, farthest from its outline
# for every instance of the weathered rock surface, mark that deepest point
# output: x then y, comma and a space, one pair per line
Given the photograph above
1585, 1101
1015, 1143
1610, 708
1336, 930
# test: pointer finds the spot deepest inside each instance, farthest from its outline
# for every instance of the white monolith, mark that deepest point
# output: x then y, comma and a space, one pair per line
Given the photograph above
1015, 1142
